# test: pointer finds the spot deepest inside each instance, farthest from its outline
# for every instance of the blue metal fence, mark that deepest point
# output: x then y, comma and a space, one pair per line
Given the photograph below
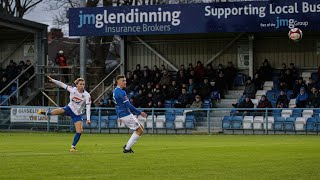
176, 120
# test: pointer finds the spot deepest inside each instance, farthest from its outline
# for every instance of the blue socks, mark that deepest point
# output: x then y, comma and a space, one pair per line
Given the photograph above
76, 139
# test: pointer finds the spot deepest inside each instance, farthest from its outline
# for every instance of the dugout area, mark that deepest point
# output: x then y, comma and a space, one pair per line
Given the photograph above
21, 39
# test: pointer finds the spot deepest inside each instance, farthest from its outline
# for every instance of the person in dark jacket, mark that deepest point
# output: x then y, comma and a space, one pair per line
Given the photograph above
314, 99
302, 98
282, 101
247, 103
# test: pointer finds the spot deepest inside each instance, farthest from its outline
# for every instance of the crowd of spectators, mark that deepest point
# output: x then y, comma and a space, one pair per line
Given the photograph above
13, 70
288, 80
187, 87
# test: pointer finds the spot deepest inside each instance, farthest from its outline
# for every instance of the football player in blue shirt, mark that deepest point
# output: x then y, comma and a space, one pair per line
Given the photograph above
124, 111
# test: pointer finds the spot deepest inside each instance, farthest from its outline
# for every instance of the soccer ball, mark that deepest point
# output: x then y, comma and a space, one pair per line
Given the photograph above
295, 34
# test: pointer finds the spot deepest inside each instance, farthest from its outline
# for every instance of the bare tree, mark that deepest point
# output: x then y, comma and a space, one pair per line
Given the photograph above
17, 8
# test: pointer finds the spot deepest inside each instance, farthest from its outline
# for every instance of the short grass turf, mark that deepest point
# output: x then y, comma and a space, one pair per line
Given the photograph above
46, 156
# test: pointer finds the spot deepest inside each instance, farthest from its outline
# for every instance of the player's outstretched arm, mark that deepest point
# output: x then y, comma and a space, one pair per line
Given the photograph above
59, 83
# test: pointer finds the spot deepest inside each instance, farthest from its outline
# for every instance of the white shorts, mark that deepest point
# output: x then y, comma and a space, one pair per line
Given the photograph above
130, 121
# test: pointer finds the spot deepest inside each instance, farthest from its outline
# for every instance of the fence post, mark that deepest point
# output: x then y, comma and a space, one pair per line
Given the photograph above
99, 122
152, 114
266, 118
208, 120
48, 123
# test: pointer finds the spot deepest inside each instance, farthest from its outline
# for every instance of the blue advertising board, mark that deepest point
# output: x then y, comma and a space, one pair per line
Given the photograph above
263, 16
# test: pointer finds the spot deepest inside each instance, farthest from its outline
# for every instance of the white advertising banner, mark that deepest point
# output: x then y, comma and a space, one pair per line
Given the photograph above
29, 115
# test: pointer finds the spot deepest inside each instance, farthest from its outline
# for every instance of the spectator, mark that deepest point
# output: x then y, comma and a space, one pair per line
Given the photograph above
247, 103
101, 103
282, 100
149, 98
110, 103
173, 90
199, 72
165, 91
149, 105
221, 84
146, 69
158, 96
197, 103
157, 78
61, 60
283, 86
129, 78
191, 86
159, 104
204, 88
265, 71
155, 70
135, 83
298, 86
183, 99
264, 102
288, 79
11, 71
165, 78
258, 81
190, 68
193, 95
146, 78
148, 89
191, 75
3, 84
138, 71
249, 91
163, 69
21, 67
314, 99
181, 78
293, 71
230, 74
311, 85
220, 69
31, 70
210, 72
283, 70
302, 98
182, 70
140, 99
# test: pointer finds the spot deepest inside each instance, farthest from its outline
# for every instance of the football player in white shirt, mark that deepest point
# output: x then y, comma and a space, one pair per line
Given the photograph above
78, 99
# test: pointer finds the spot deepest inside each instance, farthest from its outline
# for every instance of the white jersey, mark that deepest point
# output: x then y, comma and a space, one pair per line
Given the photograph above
77, 100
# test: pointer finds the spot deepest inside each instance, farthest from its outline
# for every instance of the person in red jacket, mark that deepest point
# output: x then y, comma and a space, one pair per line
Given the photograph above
61, 60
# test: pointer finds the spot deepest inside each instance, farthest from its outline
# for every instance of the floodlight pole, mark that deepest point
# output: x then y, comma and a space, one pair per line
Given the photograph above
83, 3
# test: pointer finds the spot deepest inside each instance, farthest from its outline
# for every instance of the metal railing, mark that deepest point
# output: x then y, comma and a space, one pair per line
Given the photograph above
177, 120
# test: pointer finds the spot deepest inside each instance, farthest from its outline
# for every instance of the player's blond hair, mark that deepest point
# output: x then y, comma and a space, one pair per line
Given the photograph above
78, 80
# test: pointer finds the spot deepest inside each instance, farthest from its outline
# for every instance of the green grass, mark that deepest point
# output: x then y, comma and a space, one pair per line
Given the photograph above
46, 156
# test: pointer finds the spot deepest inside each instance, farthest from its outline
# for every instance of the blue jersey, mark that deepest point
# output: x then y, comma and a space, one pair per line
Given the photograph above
123, 105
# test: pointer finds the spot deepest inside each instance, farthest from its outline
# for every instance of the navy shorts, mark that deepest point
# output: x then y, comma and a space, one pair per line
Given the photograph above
69, 112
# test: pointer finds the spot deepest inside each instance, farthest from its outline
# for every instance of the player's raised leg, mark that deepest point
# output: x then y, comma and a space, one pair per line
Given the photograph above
58, 111
79, 130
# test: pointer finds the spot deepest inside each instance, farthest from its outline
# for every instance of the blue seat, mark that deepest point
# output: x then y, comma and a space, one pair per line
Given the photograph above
237, 122
104, 121
276, 113
178, 112
112, 122
289, 124
94, 124
167, 105
278, 123
169, 124
215, 95
189, 124
226, 122
311, 124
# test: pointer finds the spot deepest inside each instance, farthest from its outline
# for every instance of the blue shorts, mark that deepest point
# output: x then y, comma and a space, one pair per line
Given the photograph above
69, 112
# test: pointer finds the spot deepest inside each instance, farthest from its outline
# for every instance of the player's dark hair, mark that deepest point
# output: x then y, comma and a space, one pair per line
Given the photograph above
119, 77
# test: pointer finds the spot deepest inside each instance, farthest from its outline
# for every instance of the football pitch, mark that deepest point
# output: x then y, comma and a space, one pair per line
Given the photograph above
46, 156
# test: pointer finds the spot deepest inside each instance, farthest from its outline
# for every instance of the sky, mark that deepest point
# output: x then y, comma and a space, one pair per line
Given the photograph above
41, 15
